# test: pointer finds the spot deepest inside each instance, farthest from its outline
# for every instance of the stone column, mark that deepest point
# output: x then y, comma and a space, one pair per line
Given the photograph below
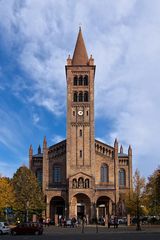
70, 209
93, 210
45, 166
97, 212
48, 208
106, 219
128, 220
30, 157
130, 166
110, 208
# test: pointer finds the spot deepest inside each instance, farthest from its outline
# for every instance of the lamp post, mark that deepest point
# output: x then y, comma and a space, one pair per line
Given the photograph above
27, 209
96, 220
65, 209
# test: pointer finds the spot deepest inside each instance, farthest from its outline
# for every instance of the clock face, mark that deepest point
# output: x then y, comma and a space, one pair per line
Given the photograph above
80, 113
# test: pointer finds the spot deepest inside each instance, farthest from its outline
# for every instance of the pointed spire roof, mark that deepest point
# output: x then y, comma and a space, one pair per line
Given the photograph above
44, 142
31, 150
80, 56
121, 149
39, 149
130, 150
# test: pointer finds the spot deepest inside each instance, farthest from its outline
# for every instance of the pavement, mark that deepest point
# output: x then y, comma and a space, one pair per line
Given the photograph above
93, 232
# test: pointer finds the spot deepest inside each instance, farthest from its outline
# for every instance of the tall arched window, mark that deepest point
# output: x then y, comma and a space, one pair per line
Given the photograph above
81, 80
39, 176
80, 97
56, 174
104, 173
75, 80
122, 178
75, 97
85, 96
85, 80
80, 153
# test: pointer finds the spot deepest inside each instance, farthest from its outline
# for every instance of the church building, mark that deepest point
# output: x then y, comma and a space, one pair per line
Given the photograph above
81, 176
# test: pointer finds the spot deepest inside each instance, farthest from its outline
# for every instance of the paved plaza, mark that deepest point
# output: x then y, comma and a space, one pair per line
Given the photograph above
92, 233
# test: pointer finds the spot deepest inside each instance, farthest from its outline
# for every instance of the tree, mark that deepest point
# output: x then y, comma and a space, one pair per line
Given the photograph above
7, 196
29, 196
136, 197
153, 193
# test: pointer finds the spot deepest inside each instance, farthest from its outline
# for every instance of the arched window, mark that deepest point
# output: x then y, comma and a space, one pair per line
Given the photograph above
85, 96
39, 176
85, 80
103, 150
56, 174
75, 80
75, 97
74, 183
80, 97
80, 153
80, 132
122, 178
87, 183
80, 80
100, 148
80, 183
104, 173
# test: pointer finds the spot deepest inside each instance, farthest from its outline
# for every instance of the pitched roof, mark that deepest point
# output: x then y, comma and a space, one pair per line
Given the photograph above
80, 56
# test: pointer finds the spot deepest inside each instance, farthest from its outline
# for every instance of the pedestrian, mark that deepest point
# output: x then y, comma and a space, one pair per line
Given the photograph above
115, 222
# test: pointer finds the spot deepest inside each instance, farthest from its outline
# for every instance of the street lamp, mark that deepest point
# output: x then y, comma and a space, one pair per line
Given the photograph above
96, 220
27, 208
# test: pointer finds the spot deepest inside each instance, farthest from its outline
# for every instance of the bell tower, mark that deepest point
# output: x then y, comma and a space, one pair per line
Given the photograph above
80, 73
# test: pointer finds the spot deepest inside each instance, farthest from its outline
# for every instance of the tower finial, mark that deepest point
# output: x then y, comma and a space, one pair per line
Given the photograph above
30, 150
39, 149
130, 150
44, 142
121, 149
80, 25
116, 143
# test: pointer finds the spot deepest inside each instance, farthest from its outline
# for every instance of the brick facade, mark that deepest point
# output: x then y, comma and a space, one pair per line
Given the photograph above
80, 175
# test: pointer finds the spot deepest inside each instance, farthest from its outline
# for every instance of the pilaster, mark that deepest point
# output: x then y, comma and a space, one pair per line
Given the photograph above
45, 166
116, 172
130, 166
30, 157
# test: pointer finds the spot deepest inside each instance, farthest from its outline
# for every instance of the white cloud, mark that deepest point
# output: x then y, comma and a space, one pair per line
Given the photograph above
56, 139
124, 38
36, 118
6, 169
13, 130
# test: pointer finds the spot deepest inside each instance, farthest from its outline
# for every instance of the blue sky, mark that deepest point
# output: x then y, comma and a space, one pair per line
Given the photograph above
36, 37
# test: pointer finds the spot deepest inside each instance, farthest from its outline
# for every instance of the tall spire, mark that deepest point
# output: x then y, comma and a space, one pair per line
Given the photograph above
80, 56
121, 149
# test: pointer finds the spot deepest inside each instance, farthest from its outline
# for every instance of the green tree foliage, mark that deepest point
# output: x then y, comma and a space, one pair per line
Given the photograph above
153, 193
28, 194
7, 196
136, 197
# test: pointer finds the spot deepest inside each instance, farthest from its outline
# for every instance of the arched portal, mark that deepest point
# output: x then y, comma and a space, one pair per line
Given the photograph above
81, 206
103, 207
57, 208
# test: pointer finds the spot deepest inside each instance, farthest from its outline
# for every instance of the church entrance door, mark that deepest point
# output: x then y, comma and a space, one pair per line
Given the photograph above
81, 206
102, 207
57, 209
80, 211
